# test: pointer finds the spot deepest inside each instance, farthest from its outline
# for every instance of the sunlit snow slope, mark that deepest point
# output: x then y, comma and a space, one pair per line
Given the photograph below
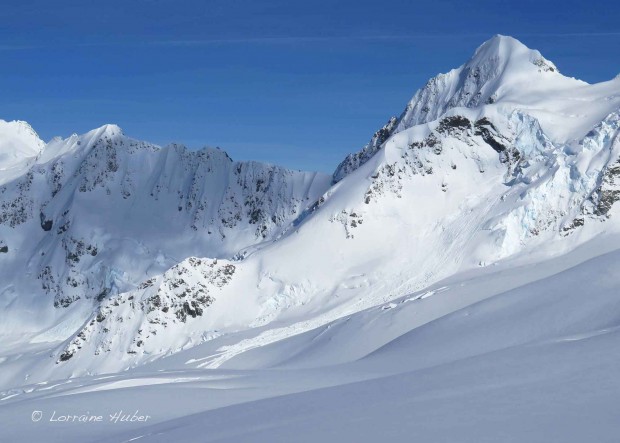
507, 353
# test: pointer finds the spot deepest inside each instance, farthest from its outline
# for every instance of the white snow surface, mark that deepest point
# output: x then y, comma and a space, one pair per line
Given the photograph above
453, 281
509, 353
19, 146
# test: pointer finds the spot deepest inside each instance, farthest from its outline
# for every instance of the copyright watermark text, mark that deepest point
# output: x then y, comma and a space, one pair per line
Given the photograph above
119, 416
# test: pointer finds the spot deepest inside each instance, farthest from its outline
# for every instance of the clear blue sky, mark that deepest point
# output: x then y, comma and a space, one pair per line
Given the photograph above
299, 83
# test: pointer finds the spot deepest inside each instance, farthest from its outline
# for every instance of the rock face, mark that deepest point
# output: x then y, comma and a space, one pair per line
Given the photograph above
500, 157
607, 192
181, 294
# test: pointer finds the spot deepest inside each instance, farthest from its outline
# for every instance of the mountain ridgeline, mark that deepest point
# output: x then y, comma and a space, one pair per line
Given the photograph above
90, 216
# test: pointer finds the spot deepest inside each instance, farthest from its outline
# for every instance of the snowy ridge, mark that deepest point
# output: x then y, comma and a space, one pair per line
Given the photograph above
95, 215
355, 160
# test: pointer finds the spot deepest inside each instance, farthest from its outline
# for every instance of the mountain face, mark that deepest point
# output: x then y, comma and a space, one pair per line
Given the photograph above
504, 73
94, 216
500, 159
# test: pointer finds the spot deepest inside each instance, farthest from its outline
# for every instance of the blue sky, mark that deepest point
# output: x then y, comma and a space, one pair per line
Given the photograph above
298, 83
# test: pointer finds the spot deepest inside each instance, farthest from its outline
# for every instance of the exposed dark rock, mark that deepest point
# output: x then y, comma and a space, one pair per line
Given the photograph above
452, 124
63, 302
65, 356
500, 144
606, 200
544, 65
46, 225
607, 193
189, 308
485, 129
147, 283
577, 222
103, 294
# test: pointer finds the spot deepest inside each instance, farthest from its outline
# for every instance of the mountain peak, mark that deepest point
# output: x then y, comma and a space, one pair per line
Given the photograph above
59, 146
110, 129
502, 72
501, 43
506, 51
18, 142
499, 65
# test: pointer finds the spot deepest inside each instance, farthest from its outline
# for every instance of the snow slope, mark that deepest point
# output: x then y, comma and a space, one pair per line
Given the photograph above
423, 366
19, 146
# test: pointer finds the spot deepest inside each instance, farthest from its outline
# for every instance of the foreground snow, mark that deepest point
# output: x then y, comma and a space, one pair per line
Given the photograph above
517, 353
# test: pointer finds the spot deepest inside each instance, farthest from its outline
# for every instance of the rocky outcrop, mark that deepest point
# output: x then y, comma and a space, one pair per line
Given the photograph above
160, 305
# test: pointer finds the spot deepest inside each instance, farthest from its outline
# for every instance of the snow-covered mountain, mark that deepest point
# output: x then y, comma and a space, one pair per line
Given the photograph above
93, 216
145, 251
